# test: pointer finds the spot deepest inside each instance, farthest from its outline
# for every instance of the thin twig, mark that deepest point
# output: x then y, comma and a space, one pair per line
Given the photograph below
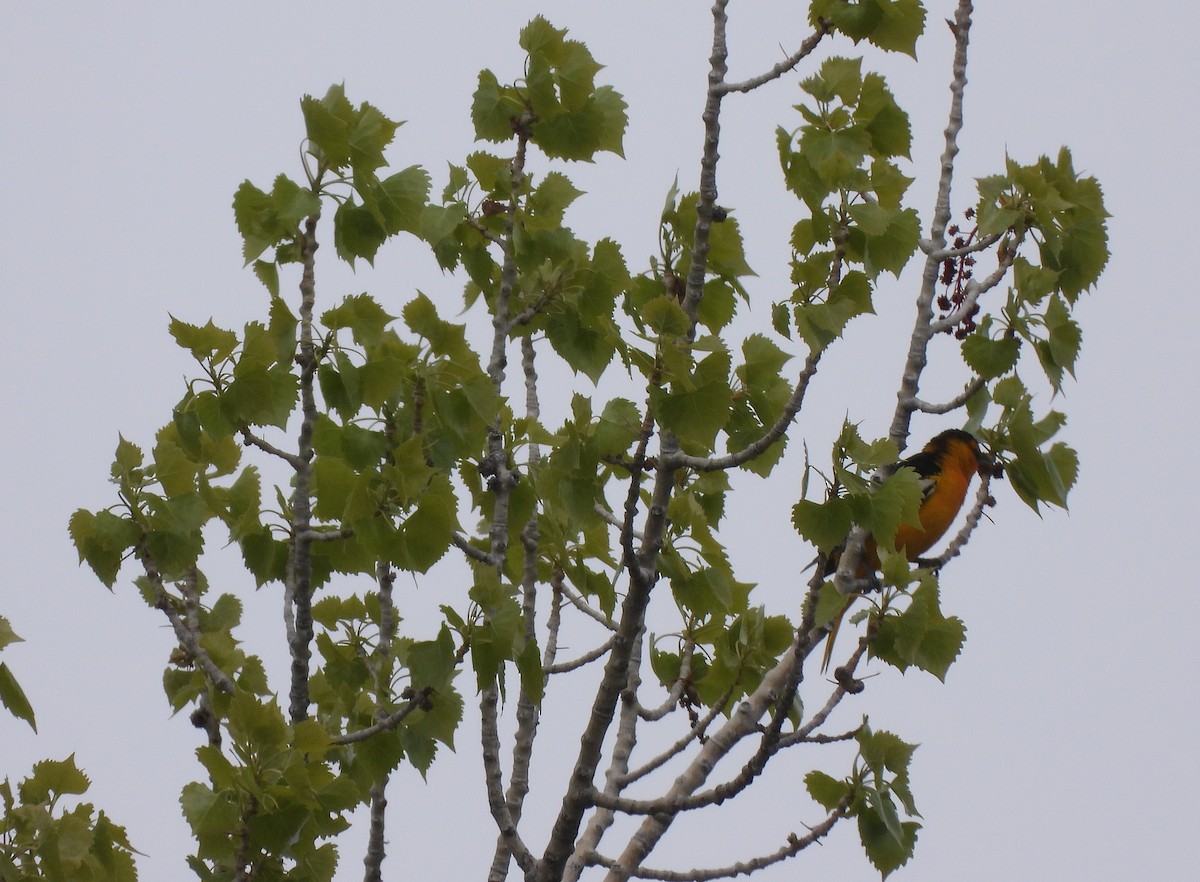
252, 440
189, 638
795, 844
685, 675
612, 520
788, 64
954, 403
983, 243
584, 607
695, 734
463, 544
586, 659
387, 723
761, 444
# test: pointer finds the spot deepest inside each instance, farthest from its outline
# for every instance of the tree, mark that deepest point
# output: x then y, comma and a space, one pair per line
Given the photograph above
396, 449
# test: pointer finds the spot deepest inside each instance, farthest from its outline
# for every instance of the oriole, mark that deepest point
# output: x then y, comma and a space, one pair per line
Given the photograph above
945, 466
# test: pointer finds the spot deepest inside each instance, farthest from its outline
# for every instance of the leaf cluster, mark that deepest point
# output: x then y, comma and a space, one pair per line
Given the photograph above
41, 838
841, 165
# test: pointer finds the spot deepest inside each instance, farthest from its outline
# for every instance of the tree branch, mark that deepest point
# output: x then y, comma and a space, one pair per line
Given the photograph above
381, 673
922, 331
387, 723
695, 733
788, 64
476, 554
494, 778
586, 659
643, 573
252, 440
299, 565
743, 722
760, 445
954, 403
188, 636
718, 68
941, 255
672, 699
582, 605
611, 519
795, 844
618, 767
527, 711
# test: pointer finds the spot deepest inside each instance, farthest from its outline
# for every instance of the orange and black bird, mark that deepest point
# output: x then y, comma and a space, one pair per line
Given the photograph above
945, 467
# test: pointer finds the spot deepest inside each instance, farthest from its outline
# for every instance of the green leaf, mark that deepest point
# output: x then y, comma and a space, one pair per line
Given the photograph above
357, 232
208, 342
12, 696
282, 330
548, 202
665, 316
825, 524
257, 723
494, 174
268, 220
51, 778
445, 338
402, 197
885, 122
493, 109
698, 409
890, 250
825, 790
839, 78
102, 540
334, 483
835, 155
1082, 252
363, 315
990, 358
894, 502
819, 324
892, 25
1061, 349
427, 532
370, 135
920, 635
598, 126
212, 816
175, 470
7, 635
292, 203
902, 23
173, 535
268, 273
888, 844
254, 214
327, 123
1033, 282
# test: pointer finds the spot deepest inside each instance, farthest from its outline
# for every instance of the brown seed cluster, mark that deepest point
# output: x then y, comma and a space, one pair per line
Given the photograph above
956, 273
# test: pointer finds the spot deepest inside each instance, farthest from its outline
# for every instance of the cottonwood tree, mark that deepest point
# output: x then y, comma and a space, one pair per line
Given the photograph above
342, 447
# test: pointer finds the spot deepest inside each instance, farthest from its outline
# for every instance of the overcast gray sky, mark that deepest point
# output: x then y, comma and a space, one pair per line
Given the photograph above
1060, 747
